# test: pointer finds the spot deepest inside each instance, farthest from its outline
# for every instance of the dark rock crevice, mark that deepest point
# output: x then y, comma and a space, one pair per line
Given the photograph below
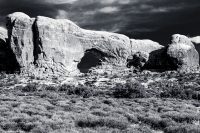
36, 42
8, 61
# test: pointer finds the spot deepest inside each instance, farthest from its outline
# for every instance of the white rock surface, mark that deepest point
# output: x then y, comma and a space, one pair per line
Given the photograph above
195, 40
147, 46
3, 34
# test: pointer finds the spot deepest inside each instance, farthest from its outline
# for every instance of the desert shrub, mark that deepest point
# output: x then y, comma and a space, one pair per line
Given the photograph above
8, 80
196, 95
129, 90
2, 75
172, 89
29, 88
110, 102
157, 123
84, 91
181, 116
176, 90
183, 129
154, 122
140, 129
18, 124
110, 122
99, 112
51, 88
65, 88
131, 118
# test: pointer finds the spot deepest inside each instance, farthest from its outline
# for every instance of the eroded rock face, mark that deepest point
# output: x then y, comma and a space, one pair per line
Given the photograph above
196, 42
183, 54
62, 45
20, 38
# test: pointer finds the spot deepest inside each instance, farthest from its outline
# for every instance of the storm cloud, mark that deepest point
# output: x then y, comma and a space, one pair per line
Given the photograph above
153, 19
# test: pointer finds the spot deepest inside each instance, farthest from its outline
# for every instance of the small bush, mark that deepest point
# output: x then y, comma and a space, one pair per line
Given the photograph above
129, 90
83, 91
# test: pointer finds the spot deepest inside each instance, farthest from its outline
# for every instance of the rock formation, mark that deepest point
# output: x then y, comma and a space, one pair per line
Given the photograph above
183, 54
43, 45
58, 46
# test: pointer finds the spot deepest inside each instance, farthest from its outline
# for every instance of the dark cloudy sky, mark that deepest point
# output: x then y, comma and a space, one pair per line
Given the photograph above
153, 19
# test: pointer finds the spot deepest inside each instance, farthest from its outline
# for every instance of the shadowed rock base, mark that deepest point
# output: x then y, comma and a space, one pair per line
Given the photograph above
8, 62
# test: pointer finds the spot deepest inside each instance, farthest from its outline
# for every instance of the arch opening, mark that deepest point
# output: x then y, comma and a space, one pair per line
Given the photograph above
92, 58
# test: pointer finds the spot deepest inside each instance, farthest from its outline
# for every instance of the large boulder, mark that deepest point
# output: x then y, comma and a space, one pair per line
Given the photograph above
183, 54
45, 45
